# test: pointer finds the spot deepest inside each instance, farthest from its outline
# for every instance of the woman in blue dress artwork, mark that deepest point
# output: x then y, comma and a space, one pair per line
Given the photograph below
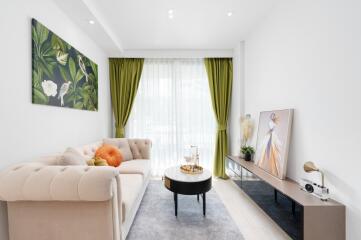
270, 156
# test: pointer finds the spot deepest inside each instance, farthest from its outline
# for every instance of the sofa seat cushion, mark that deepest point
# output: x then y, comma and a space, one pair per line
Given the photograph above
131, 185
140, 166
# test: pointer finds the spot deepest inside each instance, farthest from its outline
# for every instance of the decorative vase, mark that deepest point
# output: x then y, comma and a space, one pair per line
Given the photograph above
247, 156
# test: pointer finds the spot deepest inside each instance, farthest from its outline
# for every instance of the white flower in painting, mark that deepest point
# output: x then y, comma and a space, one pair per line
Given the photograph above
62, 57
49, 88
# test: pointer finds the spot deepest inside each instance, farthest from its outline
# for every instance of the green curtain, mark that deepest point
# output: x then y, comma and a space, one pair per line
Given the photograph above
124, 81
220, 77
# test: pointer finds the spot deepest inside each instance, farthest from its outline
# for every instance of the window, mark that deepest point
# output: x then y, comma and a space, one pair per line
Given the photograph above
173, 108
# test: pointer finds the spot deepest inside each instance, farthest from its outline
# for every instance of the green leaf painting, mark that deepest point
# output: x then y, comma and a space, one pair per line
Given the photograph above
61, 75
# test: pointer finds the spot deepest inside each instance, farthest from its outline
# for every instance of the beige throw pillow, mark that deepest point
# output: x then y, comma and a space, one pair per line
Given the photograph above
123, 145
72, 156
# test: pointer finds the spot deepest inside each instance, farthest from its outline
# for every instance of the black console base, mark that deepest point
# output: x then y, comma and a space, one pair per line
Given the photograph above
284, 211
298, 213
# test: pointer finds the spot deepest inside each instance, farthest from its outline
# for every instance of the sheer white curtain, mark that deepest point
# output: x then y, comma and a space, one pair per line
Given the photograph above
173, 108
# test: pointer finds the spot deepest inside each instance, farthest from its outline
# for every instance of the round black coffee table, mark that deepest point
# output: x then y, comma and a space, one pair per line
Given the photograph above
187, 184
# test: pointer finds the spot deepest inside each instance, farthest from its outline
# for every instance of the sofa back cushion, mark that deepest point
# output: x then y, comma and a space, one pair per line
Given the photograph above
140, 148
123, 145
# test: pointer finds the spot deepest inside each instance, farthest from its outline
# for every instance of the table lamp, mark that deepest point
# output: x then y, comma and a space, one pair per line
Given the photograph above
311, 167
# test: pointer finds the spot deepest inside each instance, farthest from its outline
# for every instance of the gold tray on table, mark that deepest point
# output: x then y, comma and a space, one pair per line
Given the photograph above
191, 169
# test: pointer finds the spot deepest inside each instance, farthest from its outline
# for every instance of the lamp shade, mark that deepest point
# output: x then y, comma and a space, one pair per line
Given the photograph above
310, 167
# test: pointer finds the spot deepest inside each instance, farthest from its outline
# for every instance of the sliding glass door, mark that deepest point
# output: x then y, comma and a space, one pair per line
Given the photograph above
173, 108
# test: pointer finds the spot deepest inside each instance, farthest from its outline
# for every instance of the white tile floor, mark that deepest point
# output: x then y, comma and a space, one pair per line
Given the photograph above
251, 220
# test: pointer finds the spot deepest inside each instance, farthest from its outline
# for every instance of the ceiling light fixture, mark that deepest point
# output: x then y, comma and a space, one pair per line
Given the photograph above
170, 13
229, 14
92, 22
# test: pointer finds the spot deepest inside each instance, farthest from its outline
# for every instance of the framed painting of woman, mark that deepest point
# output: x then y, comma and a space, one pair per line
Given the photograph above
273, 139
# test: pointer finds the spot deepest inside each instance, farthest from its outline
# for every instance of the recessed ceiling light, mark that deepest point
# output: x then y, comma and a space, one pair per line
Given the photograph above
91, 22
229, 14
170, 13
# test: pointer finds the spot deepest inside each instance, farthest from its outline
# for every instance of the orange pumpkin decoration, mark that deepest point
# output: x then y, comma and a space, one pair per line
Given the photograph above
111, 154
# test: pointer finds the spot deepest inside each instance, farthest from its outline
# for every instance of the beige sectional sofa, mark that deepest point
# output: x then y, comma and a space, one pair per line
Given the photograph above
48, 200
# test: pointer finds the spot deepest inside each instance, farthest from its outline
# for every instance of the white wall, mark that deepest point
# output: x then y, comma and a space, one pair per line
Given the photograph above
237, 103
28, 130
307, 55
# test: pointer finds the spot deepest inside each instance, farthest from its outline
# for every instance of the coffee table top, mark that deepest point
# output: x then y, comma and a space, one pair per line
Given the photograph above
174, 173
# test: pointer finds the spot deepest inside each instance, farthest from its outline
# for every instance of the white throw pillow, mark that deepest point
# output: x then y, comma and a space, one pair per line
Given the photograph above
123, 145
72, 156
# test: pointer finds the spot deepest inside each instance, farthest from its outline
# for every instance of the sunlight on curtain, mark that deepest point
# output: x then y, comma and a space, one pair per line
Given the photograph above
173, 108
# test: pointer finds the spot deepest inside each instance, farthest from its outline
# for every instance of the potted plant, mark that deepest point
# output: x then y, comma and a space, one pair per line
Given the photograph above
248, 151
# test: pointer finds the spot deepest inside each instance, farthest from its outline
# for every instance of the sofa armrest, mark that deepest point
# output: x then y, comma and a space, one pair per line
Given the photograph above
40, 182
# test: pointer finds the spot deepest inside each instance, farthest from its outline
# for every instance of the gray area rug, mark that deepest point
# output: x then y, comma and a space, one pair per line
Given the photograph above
155, 219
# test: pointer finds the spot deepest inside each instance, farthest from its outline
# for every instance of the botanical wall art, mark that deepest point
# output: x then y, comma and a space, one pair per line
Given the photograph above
273, 139
61, 75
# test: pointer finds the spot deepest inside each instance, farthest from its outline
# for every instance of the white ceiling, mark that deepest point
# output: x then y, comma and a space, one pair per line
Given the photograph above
197, 24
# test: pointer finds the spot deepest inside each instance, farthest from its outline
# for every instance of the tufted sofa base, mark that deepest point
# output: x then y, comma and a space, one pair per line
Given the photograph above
36, 220
49, 200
